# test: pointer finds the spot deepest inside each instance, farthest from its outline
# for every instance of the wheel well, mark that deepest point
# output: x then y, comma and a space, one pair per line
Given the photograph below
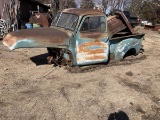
130, 52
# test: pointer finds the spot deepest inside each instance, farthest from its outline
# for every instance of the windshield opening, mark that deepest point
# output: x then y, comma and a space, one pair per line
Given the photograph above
66, 20
93, 23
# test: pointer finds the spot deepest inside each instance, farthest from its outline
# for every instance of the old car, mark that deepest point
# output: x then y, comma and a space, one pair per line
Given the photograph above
81, 37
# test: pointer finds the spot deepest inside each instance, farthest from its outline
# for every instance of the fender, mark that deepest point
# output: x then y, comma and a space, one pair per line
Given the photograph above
124, 46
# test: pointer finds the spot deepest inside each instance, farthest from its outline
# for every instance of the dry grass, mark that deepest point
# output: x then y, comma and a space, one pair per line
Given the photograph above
30, 92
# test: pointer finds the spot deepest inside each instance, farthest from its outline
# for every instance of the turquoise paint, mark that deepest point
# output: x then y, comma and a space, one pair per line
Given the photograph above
23, 43
72, 48
84, 56
124, 46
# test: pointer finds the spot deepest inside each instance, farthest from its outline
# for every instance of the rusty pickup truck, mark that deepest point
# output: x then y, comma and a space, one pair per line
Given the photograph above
81, 37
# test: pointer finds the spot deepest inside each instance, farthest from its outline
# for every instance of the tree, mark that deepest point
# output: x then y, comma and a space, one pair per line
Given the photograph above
58, 4
54, 7
145, 9
116, 4
66, 4
151, 11
86, 4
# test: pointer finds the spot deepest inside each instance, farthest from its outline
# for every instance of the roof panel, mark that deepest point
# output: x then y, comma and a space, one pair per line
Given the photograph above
83, 11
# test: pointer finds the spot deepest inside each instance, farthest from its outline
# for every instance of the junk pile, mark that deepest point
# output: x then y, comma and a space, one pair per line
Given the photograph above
40, 19
155, 27
18, 14
37, 20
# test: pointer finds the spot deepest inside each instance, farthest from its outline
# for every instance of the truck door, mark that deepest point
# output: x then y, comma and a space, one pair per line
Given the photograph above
92, 41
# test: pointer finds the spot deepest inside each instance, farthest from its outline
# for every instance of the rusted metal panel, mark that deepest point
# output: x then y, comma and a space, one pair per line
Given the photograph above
82, 12
115, 25
91, 52
92, 41
41, 18
91, 47
38, 37
119, 25
94, 35
125, 21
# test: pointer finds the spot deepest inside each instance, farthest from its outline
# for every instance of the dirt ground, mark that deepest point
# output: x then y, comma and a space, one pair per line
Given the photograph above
30, 89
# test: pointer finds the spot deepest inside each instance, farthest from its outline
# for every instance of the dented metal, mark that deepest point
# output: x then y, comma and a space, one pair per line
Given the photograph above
38, 37
85, 37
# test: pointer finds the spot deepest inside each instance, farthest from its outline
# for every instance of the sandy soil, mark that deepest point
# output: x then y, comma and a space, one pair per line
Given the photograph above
30, 89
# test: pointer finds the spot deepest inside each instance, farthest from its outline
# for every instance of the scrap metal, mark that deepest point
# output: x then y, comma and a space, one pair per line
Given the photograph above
155, 27
39, 37
41, 18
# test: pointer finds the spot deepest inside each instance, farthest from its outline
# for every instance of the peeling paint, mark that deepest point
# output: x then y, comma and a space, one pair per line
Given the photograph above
22, 44
124, 46
91, 52
39, 37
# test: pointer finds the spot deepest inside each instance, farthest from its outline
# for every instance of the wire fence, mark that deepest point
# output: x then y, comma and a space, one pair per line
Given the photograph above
3, 27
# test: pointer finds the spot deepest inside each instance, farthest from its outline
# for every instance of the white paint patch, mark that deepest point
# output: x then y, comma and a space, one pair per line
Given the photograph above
121, 47
136, 43
85, 58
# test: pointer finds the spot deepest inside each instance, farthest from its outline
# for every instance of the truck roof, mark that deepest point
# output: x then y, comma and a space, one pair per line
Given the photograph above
82, 12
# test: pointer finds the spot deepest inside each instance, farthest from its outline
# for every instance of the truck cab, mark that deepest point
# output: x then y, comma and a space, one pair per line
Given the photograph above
89, 41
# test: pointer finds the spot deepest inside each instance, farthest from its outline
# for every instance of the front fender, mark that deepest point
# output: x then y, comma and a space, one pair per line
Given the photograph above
124, 46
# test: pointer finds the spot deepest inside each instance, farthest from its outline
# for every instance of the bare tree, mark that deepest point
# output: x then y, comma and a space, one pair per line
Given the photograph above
54, 6
86, 4
116, 4
145, 9
66, 4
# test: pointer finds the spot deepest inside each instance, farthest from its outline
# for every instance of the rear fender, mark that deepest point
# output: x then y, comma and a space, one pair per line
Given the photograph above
124, 46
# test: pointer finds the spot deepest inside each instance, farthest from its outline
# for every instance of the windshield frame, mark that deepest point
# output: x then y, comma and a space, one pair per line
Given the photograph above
58, 18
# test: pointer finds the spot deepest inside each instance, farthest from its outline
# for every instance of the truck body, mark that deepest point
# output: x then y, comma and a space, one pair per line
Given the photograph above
80, 37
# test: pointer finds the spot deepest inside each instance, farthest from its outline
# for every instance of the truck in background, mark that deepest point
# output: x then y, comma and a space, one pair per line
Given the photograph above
134, 21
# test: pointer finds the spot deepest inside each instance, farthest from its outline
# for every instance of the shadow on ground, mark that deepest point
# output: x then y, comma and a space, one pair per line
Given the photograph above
40, 59
120, 115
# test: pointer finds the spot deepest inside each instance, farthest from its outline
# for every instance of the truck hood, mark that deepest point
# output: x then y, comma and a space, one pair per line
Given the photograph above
37, 38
